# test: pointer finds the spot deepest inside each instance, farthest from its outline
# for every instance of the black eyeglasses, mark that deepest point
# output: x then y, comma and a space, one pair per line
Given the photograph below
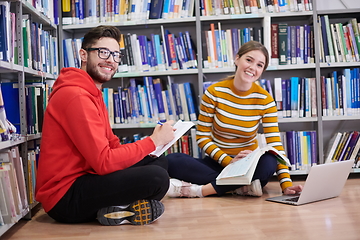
105, 53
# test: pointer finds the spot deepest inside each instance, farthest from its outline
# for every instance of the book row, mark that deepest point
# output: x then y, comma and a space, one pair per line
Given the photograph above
300, 147
94, 11
186, 144
344, 146
233, 7
294, 97
339, 42
149, 101
143, 54
223, 45
40, 46
48, 8
36, 97
291, 44
340, 93
13, 193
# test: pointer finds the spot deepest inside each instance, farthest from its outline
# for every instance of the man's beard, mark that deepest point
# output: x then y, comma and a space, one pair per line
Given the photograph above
96, 75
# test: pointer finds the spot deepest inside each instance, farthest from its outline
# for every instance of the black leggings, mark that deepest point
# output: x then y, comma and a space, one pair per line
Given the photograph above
148, 179
204, 171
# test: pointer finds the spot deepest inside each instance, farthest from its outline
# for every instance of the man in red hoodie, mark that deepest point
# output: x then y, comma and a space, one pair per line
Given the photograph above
84, 173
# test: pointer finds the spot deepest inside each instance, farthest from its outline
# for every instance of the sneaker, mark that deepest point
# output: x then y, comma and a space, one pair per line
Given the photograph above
180, 188
140, 212
252, 190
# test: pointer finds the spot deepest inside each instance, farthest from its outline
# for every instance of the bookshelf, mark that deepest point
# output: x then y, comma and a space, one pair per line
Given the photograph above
200, 22
17, 73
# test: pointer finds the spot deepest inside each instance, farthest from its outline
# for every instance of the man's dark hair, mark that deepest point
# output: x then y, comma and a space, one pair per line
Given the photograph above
98, 32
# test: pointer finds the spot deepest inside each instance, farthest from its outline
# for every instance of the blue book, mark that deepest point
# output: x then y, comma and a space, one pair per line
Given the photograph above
81, 11
288, 51
144, 53
325, 39
168, 104
183, 47
177, 100
294, 87
121, 106
151, 56
298, 45
235, 40
126, 105
306, 44
284, 98
156, 9
307, 98
134, 101
288, 97
166, 8
153, 106
159, 99
301, 97
190, 101
291, 149
117, 114
10, 94
106, 98
159, 52
190, 45
293, 44
3, 31
246, 35
313, 147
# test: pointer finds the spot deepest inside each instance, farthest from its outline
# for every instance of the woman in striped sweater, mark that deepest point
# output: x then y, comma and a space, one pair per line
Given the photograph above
230, 115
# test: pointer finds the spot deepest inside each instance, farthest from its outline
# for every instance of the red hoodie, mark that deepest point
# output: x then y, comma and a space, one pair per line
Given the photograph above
77, 138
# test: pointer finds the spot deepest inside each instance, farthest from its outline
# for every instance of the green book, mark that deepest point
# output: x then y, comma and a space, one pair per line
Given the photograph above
283, 43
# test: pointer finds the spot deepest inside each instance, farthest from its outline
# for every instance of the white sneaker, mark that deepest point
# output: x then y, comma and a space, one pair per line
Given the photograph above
180, 188
254, 189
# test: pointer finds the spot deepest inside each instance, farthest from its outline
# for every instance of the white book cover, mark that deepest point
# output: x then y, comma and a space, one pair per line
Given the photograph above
181, 127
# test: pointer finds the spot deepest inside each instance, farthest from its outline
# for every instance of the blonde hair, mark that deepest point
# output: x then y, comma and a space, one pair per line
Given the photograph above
251, 46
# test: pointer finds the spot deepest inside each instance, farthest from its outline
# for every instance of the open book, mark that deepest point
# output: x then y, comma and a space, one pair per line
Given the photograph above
242, 171
181, 127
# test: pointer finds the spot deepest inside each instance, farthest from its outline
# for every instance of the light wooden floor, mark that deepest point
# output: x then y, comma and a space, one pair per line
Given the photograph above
228, 217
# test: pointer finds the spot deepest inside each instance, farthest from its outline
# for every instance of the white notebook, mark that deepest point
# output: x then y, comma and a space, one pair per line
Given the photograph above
181, 128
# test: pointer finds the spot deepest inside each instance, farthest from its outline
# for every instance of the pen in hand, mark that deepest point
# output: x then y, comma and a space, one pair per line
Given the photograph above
160, 123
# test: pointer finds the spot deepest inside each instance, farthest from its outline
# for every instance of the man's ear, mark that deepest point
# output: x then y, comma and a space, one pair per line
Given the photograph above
83, 55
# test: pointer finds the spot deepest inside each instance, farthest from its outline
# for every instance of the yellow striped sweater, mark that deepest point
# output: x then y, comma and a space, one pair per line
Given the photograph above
229, 121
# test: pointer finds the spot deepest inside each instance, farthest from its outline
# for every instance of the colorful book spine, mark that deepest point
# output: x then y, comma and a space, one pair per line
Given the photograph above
158, 94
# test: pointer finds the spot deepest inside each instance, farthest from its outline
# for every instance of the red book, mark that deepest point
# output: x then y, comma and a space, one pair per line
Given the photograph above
174, 63
185, 144
274, 44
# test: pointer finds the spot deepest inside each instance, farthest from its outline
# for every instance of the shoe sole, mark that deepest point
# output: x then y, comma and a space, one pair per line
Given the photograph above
140, 212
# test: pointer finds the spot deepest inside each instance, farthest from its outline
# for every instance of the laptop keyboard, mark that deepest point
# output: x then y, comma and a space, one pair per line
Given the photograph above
293, 199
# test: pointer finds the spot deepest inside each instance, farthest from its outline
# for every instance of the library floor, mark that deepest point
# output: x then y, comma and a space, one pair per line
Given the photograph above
228, 217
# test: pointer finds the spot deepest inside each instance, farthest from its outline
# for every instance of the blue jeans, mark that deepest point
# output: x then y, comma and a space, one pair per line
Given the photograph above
204, 171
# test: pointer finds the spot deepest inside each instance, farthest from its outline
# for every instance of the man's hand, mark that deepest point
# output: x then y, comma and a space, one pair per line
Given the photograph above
163, 134
240, 155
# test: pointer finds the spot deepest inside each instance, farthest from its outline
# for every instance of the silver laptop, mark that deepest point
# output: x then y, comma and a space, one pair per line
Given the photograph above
323, 181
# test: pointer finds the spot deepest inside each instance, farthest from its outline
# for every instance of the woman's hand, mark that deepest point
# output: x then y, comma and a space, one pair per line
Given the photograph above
293, 190
240, 155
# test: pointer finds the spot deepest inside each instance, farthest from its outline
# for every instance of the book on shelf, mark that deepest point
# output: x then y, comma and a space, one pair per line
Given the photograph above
242, 171
181, 127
